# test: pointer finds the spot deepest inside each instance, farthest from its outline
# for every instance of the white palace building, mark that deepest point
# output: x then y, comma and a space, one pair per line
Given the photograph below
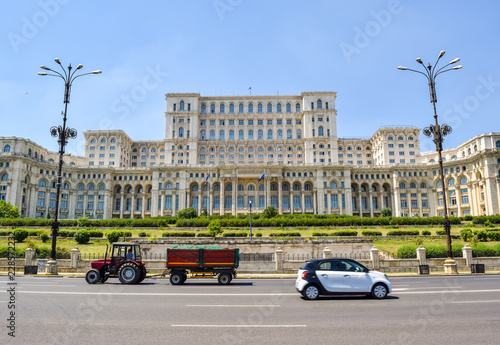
225, 153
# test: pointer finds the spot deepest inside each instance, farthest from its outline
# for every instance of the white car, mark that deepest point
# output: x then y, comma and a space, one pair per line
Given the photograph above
340, 277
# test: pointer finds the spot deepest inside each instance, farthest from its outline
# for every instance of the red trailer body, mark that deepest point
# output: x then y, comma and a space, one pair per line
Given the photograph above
202, 262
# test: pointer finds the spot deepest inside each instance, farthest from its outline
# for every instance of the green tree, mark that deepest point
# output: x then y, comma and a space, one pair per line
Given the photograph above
386, 212
188, 213
7, 210
270, 212
215, 228
82, 237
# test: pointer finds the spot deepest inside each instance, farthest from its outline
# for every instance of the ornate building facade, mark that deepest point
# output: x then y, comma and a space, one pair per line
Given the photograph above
224, 154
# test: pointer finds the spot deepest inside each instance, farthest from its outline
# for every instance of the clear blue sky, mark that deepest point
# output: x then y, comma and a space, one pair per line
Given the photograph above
221, 47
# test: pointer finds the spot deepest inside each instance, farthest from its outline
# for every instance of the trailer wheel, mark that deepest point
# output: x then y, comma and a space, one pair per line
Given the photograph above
175, 278
129, 273
184, 278
224, 278
92, 276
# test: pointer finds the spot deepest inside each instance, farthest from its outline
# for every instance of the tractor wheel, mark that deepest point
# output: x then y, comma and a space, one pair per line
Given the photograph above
129, 273
224, 278
143, 274
184, 278
92, 276
175, 278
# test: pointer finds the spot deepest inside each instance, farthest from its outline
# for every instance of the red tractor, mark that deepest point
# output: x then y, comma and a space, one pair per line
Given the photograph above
125, 263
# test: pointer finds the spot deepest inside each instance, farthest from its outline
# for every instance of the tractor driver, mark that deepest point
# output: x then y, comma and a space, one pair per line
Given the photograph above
130, 255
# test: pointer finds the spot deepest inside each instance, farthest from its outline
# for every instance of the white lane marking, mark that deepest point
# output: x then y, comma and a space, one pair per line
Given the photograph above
242, 326
402, 289
491, 301
447, 291
154, 294
234, 305
422, 288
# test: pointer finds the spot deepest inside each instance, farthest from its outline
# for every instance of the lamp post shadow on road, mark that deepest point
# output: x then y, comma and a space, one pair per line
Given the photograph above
438, 132
62, 133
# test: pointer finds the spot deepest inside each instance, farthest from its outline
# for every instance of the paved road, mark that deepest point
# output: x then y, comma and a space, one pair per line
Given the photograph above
421, 310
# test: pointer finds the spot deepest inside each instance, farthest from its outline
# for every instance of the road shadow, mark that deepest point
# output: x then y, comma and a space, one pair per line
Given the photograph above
350, 298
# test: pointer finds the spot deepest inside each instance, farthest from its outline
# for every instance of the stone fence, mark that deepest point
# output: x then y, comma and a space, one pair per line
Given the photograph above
285, 258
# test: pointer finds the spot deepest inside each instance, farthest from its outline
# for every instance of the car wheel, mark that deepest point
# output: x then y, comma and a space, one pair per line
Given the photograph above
92, 276
310, 292
379, 291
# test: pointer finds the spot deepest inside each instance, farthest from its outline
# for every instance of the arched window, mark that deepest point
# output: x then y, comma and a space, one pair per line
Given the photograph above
91, 186
278, 108
251, 187
297, 108
250, 134
42, 183
229, 188
260, 134
333, 185
269, 108
308, 186
402, 185
390, 138
241, 134
423, 185
250, 108
269, 134
212, 108
240, 187
240, 108
280, 134
438, 184
413, 185
221, 135
194, 188
231, 108
463, 180
29, 152
217, 188
285, 187
102, 186
320, 131
319, 104
288, 108
181, 106
410, 138
400, 138
203, 108
202, 135
259, 108
299, 134
261, 187
497, 144
206, 187
168, 186
296, 186
66, 186
5, 177
81, 187
181, 132
6, 148
212, 135
118, 189
374, 188
451, 182
363, 188
231, 135
274, 186
139, 190
222, 108
289, 134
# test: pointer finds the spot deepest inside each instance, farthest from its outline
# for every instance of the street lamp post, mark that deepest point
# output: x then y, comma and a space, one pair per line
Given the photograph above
438, 132
62, 133
250, 203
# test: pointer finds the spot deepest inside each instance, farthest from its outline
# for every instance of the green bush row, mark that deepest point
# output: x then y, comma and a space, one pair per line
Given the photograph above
403, 233
371, 233
179, 234
234, 234
285, 234
409, 251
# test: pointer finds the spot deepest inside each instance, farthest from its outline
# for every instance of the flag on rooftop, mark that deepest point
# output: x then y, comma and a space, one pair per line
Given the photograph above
250, 88
262, 176
208, 175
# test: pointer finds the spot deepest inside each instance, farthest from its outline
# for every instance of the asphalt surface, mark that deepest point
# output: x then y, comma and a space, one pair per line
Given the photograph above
421, 310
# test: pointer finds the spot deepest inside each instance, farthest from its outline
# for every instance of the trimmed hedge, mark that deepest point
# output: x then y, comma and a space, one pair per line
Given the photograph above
179, 234
403, 233
371, 233
284, 234
234, 234
204, 234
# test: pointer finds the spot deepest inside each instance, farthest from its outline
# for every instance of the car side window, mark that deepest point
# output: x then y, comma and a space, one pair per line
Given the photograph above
351, 266
328, 266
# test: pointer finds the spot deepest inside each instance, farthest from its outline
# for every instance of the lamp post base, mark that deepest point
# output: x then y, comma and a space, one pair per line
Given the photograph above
51, 267
450, 266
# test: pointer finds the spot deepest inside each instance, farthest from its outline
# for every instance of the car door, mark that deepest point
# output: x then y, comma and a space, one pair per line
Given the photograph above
329, 276
355, 278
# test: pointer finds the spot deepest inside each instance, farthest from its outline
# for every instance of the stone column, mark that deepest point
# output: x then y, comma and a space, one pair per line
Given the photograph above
280, 196
467, 254
210, 202
235, 197
375, 258
29, 256
162, 204
329, 200
302, 201
327, 253
360, 202
75, 255
422, 260
132, 208
370, 195
144, 206
222, 201
279, 260
121, 205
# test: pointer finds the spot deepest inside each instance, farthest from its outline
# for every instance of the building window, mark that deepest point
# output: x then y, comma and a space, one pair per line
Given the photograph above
250, 108
259, 108
240, 108
6, 148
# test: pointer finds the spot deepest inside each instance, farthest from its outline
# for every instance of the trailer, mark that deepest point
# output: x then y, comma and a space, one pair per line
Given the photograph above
201, 262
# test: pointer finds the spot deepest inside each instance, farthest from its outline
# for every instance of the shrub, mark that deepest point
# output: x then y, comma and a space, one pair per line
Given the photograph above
270, 212
371, 233
493, 235
345, 233
320, 234
20, 235
44, 237
403, 233
143, 234
204, 234
214, 228
96, 233
426, 233
188, 213
113, 236
466, 234
407, 251
259, 234
488, 224
386, 212
82, 222
468, 218
481, 235
234, 234
82, 237
284, 234
179, 234
440, 232
6, 251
